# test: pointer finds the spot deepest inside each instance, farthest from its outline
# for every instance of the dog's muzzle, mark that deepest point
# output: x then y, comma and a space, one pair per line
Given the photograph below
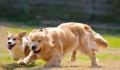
10, 46
36, 52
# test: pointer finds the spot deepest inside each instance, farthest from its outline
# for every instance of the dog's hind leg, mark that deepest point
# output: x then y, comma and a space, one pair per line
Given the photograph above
92, 56
86, 49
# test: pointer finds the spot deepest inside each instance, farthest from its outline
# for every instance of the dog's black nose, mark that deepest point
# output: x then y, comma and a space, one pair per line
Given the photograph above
33, 47
9, 42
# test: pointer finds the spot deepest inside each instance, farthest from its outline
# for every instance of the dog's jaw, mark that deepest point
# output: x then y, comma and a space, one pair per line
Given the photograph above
36, 52
10, 46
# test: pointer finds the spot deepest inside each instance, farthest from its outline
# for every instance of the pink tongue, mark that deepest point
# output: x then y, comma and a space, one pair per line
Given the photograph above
9, 46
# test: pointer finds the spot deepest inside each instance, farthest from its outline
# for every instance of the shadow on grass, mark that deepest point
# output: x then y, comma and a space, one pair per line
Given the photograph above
61, 67
13, 66
32, 66
96, 66
43, 68
77, 66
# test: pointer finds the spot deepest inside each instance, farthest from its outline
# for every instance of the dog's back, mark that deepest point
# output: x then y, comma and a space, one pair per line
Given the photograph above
80, 30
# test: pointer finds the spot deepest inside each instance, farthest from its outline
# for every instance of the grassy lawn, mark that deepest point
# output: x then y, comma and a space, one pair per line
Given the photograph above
6, 63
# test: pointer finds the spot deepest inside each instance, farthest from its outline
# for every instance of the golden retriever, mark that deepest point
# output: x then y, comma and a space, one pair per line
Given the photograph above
51, 44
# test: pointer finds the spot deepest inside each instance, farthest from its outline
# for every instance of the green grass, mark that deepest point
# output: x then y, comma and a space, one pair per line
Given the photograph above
108, 57
17, 30
7, 63
100, 56
114, 41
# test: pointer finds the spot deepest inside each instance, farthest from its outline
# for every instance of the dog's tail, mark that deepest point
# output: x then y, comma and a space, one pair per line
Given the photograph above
101, 42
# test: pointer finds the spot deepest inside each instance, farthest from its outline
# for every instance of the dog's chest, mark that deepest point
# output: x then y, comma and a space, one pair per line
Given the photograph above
17, 52
45, 55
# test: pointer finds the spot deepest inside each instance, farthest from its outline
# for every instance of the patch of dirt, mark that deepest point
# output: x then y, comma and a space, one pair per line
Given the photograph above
3, 37
80, 65
113, 51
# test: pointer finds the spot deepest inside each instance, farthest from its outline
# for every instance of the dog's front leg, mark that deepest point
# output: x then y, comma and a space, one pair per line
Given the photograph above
74, 53
53, 62
31, 57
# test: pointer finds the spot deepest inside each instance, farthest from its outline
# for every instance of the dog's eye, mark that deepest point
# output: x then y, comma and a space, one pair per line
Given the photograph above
14, 39
8, 38
33, 40
39, 40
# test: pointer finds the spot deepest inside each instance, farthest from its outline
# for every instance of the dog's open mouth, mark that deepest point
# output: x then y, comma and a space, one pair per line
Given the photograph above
36, 52
10, 46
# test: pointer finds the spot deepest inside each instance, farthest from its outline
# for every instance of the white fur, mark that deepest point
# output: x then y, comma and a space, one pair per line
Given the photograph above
91, 43
24, 43
61, 44
26, 59
11, 40
11, 53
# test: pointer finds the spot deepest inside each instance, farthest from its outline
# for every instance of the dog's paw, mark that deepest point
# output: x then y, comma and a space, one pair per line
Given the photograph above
73, 59
94, 66
22, 63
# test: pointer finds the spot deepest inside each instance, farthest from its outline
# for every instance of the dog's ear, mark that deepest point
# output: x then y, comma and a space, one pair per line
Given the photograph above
22, 34
8, 32
41, 30
45, 30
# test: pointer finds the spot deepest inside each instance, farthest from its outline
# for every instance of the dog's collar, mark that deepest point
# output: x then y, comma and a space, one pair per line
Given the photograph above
36, 52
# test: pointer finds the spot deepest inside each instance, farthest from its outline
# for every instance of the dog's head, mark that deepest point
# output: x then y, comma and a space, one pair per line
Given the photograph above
40, 40
13, 39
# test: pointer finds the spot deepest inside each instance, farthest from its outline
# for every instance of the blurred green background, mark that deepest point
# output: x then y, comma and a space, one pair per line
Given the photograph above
36, 12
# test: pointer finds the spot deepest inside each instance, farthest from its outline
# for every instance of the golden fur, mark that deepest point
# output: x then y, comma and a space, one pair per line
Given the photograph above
18, 51
54, 43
